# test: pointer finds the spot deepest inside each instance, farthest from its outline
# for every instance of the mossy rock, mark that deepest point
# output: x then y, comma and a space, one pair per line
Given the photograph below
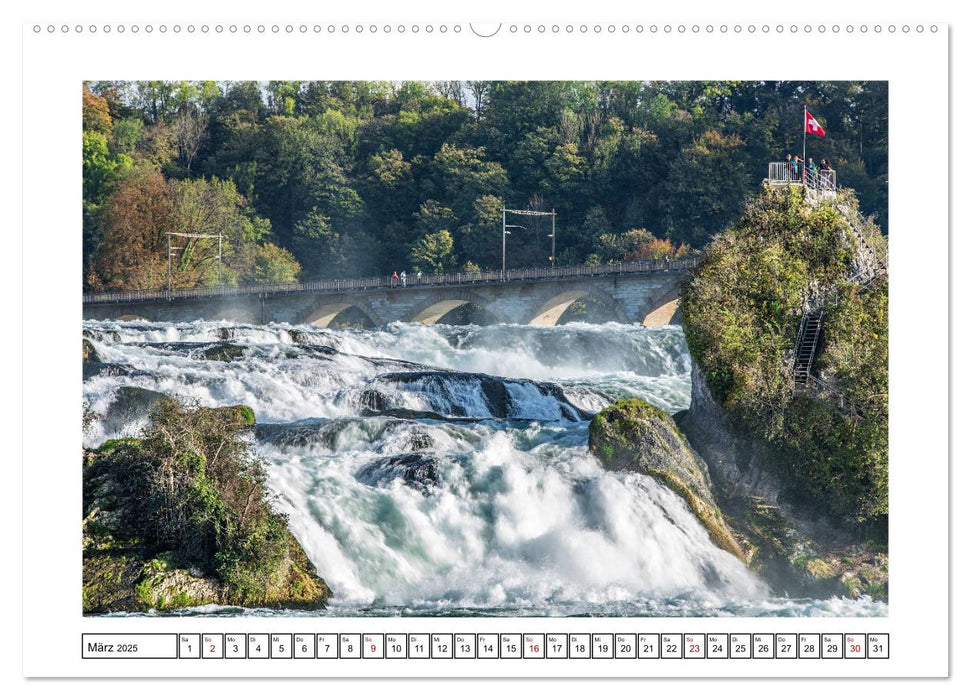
128, 566
129, 405
223, 352
633, 435
244, 414
88, 352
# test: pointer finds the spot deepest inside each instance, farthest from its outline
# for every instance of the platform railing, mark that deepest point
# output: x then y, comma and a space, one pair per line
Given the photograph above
787, 172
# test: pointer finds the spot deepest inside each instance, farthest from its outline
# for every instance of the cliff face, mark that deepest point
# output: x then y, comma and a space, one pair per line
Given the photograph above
795, 553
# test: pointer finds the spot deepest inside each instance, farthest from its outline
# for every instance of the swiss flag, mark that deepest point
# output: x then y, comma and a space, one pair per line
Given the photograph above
812, 126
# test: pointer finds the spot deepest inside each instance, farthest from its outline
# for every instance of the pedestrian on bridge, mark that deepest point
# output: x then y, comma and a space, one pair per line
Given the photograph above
404, 278
394, 278
418, 275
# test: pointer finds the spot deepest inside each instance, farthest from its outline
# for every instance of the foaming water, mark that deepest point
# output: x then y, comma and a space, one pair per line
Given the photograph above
437, 470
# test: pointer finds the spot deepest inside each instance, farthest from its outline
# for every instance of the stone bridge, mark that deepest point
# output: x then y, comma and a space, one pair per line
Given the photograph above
642, 293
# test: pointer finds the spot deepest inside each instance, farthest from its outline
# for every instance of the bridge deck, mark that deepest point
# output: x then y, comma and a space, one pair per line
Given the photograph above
457, 279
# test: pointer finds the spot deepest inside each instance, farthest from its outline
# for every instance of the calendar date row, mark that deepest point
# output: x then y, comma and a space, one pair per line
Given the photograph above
486, 646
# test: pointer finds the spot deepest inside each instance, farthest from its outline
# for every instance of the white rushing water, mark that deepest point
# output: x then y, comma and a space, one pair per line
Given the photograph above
444, 470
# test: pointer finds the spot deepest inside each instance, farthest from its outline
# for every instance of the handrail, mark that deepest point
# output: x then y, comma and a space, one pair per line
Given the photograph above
386, 282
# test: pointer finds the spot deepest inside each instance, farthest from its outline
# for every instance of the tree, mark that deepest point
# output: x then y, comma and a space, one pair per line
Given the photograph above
135, 218
100, 168
213, 207
433, 252
480, 240
95, 116
615, 248
189, 131
272, 265
322, 249
128, 133
705, 189
432, 217
462, 175
345, 171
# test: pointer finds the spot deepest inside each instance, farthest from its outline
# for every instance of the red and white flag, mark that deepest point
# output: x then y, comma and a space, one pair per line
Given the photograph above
812, 126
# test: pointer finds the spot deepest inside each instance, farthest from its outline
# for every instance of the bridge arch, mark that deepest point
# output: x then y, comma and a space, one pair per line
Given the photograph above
431, 309
661, 309
549, 312
323, 314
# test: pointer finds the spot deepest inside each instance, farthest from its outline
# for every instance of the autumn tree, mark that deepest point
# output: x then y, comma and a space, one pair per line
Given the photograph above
95, 116
136, 216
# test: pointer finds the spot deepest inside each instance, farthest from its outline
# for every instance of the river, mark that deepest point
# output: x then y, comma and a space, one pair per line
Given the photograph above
443, 470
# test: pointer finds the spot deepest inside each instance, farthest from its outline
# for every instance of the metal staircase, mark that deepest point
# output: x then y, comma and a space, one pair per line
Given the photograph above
809, 333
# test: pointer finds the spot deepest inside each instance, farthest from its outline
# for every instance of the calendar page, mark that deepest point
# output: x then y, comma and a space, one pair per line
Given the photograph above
443, 348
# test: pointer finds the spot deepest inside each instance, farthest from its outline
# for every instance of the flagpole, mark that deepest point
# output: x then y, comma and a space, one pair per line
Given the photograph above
805, 110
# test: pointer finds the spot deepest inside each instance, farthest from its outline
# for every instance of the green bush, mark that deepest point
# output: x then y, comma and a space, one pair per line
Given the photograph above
195, 491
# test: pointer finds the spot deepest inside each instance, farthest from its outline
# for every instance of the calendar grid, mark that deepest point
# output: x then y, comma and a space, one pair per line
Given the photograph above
487, 646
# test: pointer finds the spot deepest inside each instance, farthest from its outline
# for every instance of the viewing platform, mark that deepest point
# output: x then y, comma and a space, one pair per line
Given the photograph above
820, 184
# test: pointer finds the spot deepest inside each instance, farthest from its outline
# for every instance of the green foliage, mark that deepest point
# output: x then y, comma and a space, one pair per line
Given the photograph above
199, 496
699, 194
741, 315
272, 265
349, 176
433, 252
100, 168
128, 133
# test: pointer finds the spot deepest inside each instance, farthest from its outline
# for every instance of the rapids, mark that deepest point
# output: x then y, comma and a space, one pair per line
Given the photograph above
443, 470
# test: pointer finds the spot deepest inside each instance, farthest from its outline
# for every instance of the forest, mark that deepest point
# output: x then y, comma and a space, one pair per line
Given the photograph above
314, 179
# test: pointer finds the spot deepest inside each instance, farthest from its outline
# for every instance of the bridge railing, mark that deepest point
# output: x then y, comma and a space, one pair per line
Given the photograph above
387, 282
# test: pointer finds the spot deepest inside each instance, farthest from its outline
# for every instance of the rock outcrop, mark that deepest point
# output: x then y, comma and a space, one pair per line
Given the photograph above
633, 435
133, 559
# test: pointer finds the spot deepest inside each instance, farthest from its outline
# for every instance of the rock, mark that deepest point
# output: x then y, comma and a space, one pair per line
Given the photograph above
124, 570
633, 435
418, 471
497, 397
130, 405
88, 352
495, 392
223, 352
239, 415
421, 441
375, 401
92, 364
